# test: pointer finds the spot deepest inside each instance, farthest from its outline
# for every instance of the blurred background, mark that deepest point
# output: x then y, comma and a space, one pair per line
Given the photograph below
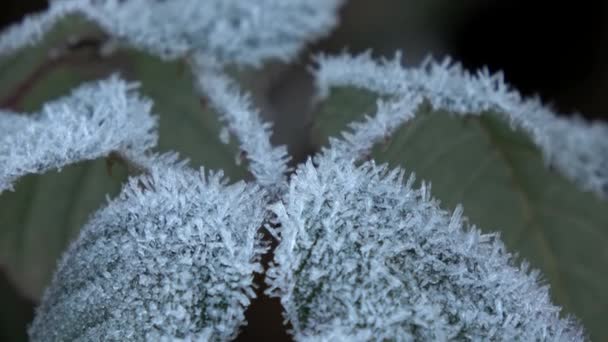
555, 50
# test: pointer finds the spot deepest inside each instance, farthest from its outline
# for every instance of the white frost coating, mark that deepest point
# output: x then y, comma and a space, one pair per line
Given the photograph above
577, 148
94, 120
363, 256
12, 121
267, 163
171, 258
236, 31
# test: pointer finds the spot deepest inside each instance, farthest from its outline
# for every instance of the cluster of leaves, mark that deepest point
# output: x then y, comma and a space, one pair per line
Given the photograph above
361, 255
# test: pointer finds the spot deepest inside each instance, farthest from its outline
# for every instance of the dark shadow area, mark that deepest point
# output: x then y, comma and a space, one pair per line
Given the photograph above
556, 50
264, 316
13, 10
16, 312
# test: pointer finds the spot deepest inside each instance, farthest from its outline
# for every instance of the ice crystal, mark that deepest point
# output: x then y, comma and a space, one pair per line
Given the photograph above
171, 258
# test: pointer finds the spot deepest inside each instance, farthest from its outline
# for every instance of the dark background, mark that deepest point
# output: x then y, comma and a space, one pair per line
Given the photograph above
558, 51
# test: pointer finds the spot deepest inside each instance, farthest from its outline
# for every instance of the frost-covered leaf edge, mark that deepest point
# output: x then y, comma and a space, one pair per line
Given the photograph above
235, 108
577, 148
96, 119
249, 40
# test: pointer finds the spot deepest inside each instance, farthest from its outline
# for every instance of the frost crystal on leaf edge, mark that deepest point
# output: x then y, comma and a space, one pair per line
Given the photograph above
94, 120
268, 164
578, 149
234, 31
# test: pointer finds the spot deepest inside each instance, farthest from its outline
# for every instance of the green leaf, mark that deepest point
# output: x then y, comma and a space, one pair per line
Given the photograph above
335, 113
187, 125
46, 211
499, 176
20, 72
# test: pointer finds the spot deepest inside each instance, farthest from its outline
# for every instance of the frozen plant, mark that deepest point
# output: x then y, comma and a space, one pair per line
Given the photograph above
363, 254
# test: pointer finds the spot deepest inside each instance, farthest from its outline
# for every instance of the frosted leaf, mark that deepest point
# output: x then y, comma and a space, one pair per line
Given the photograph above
94, 120
578, 149
363, 254
267, 163
171, 258
234, 31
